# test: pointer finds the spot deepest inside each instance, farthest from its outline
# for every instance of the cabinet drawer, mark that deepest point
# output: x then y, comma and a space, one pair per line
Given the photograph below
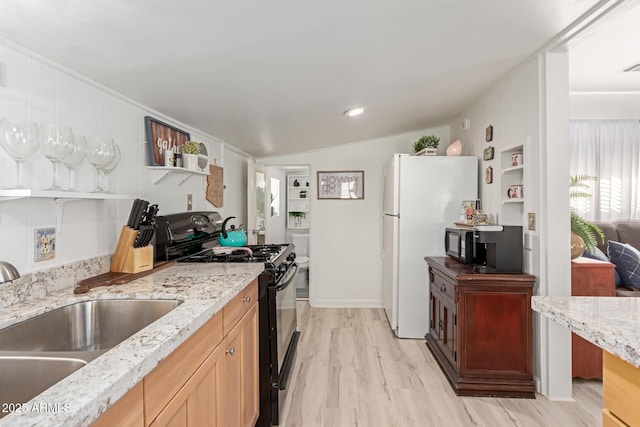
621, 380
447, 289
173, 372
239, 306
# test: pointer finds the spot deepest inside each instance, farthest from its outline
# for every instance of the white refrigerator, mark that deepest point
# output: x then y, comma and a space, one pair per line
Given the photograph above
422, 196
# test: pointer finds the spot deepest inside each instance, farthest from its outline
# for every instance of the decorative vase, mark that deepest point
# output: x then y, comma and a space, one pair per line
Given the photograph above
455, 148
190, 161
577, 246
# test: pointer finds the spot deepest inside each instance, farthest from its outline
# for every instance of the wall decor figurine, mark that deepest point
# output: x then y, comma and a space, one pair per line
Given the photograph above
488, 153
488, 175
488, 136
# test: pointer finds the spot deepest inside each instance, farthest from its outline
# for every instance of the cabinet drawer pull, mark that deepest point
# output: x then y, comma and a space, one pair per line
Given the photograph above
246, 299
231, 351
443, 288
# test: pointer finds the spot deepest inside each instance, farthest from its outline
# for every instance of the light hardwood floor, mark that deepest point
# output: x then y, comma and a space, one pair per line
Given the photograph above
352, 371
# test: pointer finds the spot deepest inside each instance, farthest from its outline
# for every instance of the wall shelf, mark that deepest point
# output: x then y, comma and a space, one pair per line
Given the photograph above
22, 193
512, 210
295, 203
161, 172
60, 198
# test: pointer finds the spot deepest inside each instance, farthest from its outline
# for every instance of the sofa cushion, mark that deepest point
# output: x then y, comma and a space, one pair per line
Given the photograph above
610, 233
627, 261
628, 232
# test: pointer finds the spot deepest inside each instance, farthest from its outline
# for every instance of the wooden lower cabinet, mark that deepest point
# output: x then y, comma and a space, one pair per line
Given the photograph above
240, 378
210, 380
199, 401
481, 329
621, 386
126, 412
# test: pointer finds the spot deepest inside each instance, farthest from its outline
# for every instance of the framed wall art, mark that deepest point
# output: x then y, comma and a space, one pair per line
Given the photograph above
488, 153
488, 135
162, 137
488, 175
341, 185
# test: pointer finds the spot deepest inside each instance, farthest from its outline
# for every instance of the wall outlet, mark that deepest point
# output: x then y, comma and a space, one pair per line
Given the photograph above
45, 244
189, 202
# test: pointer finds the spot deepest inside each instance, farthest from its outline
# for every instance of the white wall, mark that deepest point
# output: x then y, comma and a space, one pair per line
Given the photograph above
277, 225
345, 235
44, 93
604, 106
530, 107
235, 183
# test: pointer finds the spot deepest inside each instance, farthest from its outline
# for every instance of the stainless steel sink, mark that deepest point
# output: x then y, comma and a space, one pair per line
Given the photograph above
23, 378
88, 326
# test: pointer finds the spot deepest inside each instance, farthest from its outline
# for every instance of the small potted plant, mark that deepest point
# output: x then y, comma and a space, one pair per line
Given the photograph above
190, 151
426, 145
298, 217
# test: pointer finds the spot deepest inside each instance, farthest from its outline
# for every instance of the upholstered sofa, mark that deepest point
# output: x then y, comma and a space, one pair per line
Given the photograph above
623, 231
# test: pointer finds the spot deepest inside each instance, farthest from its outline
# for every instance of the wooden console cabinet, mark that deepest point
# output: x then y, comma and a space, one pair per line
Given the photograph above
481, 329
589, 277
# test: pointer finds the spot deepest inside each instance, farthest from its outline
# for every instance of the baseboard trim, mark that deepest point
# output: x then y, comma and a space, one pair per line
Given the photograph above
345, 303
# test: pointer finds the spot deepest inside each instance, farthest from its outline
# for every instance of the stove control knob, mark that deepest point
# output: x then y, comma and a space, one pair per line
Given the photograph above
291, 257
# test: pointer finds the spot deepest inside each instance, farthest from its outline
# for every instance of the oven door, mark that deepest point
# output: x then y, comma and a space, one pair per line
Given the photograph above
283, 338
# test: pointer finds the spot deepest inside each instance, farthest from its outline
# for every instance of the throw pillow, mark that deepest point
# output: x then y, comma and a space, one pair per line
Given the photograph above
601, 256
627, 261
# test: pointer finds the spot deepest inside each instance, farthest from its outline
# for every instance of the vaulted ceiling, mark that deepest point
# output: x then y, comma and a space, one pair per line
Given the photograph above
275, 77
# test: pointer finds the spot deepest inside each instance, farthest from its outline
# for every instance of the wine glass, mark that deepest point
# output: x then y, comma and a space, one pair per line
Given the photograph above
73, 160
56, 143
100, 152
103, 173
19, 138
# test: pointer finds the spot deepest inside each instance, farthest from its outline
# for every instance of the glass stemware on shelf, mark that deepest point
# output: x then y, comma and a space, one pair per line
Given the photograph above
73, 160
100, 152
56, 143
103, 173
19, 138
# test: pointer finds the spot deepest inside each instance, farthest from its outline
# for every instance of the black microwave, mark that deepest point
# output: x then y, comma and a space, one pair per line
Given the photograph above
459, 244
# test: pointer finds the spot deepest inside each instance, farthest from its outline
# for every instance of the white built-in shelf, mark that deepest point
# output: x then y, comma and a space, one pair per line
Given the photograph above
161, 172
21, 193
509, 201
60, 198
513, 169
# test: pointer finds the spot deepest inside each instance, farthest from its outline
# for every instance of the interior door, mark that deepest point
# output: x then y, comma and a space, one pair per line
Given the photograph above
256, 201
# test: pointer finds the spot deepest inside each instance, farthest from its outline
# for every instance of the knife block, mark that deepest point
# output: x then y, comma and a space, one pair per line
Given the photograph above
128, 259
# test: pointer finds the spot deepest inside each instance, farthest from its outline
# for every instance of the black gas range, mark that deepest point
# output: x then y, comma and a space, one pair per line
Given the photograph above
194, 237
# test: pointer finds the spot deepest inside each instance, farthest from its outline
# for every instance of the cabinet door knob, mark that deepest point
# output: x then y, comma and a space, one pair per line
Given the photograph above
441, 324
443, 288
231, 351
246, 299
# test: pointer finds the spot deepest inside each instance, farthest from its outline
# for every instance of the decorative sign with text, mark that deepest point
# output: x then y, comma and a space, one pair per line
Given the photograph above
348, 185
161, 138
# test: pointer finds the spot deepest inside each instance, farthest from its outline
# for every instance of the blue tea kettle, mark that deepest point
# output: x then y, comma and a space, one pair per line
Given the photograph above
233, 237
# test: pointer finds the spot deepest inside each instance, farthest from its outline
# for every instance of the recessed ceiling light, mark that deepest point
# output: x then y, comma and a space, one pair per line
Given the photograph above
352, 112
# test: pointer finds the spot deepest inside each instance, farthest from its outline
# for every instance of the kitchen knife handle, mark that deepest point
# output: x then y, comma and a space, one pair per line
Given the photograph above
132, 213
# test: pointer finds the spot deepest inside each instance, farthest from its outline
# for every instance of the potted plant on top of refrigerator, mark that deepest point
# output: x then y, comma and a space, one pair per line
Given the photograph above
426, 145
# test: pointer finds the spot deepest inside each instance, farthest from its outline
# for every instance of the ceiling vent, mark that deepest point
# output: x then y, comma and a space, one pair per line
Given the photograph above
634, 67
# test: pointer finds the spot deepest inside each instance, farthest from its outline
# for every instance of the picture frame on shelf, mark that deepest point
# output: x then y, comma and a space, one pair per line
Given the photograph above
488, 153
340, 185
162, 137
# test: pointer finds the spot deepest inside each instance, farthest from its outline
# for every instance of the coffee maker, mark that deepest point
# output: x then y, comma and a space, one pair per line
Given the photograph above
502, 246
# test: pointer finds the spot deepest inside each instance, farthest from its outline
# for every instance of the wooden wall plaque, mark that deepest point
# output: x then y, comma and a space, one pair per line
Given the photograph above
215, 186
160, 138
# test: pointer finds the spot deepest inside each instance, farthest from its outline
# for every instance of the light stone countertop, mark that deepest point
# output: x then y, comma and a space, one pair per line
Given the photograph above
80, 398
611, 323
